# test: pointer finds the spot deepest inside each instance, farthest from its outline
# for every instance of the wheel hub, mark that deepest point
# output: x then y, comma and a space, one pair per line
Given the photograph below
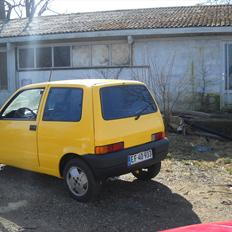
77, 181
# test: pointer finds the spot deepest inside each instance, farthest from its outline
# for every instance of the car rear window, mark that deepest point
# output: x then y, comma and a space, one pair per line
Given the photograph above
126, 101
64, 104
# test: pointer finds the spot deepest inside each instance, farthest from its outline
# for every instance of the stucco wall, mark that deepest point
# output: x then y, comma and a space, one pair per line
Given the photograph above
43, 76
199, 61
191, 57
196, 59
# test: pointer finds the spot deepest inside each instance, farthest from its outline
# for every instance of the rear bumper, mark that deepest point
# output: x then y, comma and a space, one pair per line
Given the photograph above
115, 164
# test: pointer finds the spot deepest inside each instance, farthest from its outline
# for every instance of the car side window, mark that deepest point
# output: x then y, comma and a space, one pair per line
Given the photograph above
64, 104
25, 105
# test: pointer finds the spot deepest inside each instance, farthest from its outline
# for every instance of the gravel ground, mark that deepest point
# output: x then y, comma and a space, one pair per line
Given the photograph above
191, 188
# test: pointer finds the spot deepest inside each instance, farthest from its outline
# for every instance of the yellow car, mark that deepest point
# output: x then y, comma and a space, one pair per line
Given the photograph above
83, 131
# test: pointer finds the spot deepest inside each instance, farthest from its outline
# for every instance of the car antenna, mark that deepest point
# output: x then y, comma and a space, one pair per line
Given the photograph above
50, 76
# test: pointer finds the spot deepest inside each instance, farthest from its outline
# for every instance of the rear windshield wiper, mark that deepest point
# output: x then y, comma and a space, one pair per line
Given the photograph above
138, 115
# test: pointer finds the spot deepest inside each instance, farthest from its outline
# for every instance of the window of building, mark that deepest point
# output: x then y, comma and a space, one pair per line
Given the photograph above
228, 72
73, 56
3, 71
64, 104
120, 54
26, 58
81, 56
62, 56
43, 57
100, 55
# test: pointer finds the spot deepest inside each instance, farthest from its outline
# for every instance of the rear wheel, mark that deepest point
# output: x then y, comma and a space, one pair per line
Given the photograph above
80, 180
147, 173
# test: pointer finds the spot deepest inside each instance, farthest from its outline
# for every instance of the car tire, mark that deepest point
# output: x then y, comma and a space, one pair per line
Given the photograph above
80, 181
147, 173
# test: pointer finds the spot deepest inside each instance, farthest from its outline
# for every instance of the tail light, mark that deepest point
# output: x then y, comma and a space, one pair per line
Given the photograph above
109, 148
158, 136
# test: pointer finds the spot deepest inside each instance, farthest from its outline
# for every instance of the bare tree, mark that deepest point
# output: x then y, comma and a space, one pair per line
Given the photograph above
110, 74
23, 8
168, 89
36, 7
204, 82
161, 80
13, 6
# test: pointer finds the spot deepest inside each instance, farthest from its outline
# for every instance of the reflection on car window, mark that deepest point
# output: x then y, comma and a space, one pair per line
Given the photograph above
24, 106
64, 104
126, 101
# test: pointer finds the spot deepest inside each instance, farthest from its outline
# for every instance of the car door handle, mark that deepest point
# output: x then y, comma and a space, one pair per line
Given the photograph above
32, 127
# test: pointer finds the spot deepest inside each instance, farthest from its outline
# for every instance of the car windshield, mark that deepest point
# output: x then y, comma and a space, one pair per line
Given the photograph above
125, 101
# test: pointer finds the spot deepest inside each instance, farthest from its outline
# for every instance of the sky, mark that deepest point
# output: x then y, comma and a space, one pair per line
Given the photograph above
71, 6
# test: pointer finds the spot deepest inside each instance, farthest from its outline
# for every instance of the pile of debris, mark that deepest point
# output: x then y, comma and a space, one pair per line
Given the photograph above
217, 126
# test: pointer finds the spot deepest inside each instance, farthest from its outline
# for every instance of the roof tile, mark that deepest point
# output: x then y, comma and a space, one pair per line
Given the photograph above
169, 17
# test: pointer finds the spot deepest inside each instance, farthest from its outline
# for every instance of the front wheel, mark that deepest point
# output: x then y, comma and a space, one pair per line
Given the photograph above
147, 173
80, 181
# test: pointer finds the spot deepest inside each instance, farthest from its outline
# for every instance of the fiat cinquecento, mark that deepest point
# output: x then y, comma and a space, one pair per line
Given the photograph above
83, 131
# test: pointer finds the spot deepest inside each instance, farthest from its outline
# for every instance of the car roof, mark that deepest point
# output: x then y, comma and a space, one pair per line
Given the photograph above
83, 82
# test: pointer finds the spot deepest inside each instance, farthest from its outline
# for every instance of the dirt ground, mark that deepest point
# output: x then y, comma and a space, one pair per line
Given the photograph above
193, 187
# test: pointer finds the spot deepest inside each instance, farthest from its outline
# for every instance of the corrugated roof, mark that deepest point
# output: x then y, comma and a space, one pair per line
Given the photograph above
166, 17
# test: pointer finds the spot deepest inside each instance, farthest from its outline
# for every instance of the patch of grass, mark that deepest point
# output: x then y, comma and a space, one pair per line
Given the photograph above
204, 164
229, 170
227, 163
227, 160
224, 161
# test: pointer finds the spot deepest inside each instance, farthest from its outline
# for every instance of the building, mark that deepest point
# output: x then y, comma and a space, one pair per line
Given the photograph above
188, 47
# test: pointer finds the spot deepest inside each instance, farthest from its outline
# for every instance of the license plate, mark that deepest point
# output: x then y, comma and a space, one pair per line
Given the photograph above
140, 157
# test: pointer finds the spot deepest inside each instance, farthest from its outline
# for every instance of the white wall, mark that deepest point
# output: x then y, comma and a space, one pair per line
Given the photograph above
28, 77
193, 58
190, 56
198, 60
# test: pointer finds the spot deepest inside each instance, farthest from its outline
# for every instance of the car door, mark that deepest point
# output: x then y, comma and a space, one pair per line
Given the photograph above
66, 126
18, 125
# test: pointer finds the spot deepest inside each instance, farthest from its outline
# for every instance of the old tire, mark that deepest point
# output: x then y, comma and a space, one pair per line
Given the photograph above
80, 181
147, 173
